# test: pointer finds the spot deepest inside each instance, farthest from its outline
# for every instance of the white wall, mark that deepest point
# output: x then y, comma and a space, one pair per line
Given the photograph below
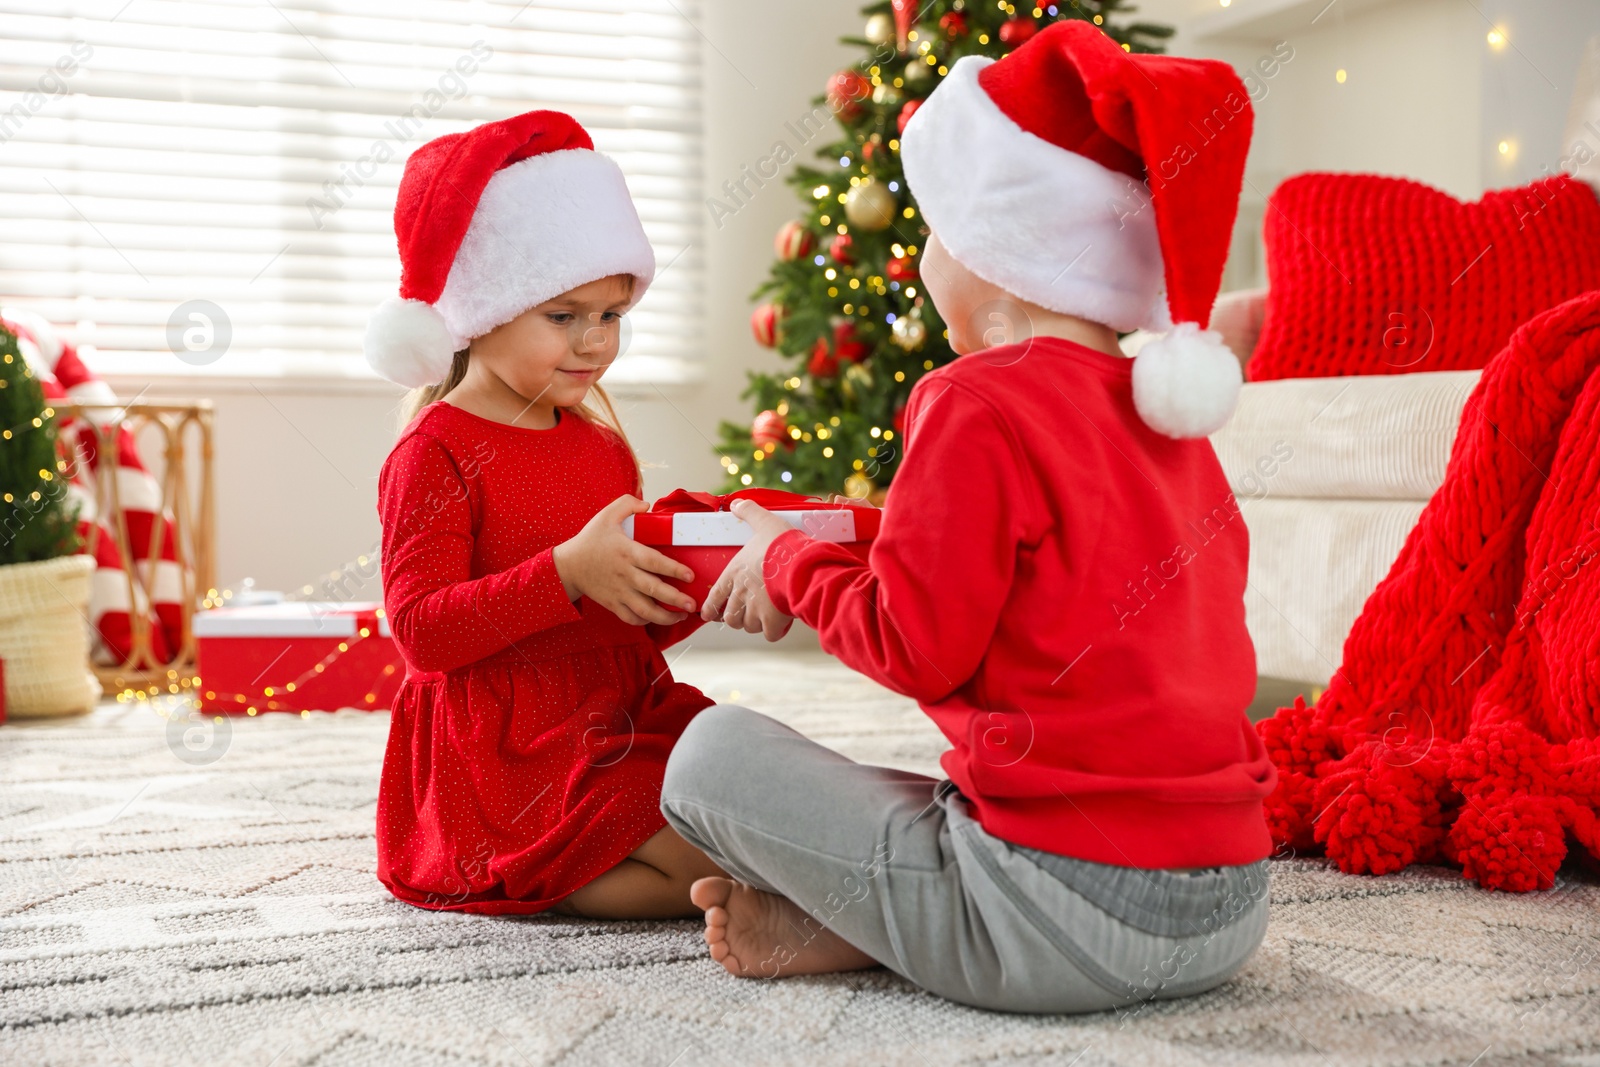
1528, 85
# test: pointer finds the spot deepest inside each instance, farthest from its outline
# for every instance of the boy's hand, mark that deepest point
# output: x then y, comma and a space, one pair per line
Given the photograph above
840, 498
616, 572
740, 598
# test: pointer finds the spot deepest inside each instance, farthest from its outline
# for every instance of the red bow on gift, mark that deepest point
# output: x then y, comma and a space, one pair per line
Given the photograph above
771, 499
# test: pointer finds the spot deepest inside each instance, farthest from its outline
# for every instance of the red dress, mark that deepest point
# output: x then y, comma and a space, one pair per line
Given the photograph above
527, 744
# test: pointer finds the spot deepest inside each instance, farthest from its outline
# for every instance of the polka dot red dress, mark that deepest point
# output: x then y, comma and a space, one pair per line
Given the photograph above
527, 744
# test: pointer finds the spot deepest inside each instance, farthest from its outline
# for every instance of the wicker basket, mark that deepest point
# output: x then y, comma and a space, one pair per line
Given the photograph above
44, 637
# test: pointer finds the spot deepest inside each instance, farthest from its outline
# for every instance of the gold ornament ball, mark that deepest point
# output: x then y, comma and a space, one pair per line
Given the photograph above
917, 72
880, 29
909, 333
869, 206
886, 94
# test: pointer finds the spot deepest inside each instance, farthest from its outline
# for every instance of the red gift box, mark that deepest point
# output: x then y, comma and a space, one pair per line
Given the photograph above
296, 656
698, 530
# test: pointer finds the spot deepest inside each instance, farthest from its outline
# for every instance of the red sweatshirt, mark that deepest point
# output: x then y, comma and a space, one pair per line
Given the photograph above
1061, 588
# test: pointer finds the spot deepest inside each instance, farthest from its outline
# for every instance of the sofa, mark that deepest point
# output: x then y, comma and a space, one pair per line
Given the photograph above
1331, 474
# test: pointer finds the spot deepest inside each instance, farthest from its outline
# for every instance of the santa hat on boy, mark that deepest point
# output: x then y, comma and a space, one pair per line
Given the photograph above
1099, 184
495, 221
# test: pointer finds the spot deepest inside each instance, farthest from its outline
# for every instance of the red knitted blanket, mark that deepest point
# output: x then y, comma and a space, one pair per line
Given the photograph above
1462, 725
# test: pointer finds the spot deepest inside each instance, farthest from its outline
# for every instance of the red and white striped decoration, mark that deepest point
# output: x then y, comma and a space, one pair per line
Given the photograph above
157, 590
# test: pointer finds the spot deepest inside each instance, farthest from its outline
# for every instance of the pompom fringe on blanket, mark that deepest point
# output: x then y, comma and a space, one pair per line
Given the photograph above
1462, 726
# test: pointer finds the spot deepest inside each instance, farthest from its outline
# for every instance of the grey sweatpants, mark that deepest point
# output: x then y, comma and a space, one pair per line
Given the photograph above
892, 863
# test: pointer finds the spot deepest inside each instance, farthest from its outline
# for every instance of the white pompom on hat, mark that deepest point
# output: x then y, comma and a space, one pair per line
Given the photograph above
1186, 384
495, 221
1099, 184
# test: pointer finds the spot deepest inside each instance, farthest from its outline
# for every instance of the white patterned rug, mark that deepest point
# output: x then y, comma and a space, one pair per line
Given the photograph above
167, 904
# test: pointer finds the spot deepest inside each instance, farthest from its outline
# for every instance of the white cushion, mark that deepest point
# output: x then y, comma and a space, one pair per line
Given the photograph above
1313, 563
1372, 437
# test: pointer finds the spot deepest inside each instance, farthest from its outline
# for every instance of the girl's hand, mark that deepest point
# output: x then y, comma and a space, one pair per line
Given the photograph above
616, 572
740, 598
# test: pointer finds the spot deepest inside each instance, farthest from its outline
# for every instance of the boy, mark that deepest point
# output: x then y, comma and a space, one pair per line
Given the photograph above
1058, 581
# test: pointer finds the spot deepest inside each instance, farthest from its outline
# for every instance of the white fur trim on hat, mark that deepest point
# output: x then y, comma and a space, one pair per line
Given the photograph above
407, 342
1049, 225
544, 225
1187, 383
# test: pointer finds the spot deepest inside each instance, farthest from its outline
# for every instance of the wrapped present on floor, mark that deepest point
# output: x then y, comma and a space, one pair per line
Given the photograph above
698, 530
296, 656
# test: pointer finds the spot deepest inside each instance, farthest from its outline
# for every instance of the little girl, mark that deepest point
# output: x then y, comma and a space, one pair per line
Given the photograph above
527, 745
1058, 579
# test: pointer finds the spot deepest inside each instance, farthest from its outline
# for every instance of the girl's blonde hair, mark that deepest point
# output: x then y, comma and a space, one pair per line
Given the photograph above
604, 413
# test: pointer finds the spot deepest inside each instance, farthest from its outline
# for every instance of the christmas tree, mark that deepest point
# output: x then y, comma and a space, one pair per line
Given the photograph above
842, 305
37, 521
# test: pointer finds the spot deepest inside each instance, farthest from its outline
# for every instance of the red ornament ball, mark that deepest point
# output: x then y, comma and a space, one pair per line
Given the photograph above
847, 344
769, 428
869, 149
793, 241
764, 321
846, 91
954, 24
906, 112
823, 363
1017, 30
839, 249
901, 269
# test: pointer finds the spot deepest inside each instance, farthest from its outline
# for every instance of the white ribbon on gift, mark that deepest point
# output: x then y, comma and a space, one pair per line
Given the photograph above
291, 618
726, 528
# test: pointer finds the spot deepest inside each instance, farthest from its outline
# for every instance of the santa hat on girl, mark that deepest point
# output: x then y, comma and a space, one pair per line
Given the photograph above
495, 221
1099, 184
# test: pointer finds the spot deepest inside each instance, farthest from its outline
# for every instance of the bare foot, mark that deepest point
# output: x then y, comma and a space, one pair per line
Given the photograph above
760, 935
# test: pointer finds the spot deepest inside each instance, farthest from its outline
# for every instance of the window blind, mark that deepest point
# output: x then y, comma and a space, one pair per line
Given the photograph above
246, 153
